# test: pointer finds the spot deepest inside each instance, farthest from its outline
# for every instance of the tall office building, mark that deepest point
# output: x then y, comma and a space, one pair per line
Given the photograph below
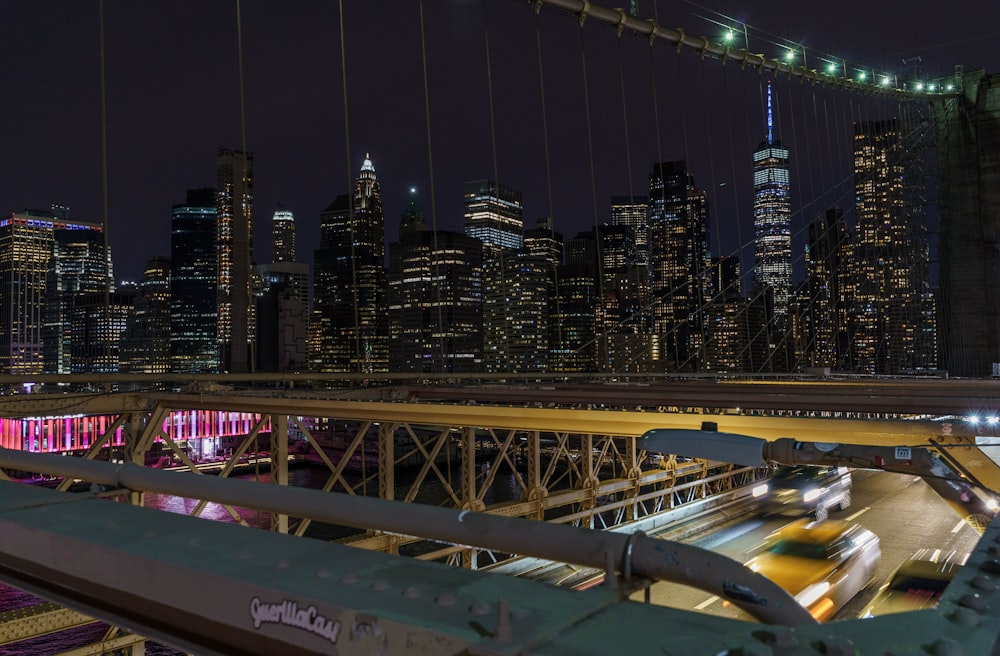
194, 345
435, 299
27, 239
890, 258
351, 330
494, 215
146, 342
826, 330
772, 216
736, 341
79, 265
633, 211
283, 235
543, 241
575, 347
281, 297
97, 324
234, 250
678, 249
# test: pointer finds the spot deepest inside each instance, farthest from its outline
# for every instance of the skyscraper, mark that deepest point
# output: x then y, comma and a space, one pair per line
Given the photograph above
494, 215
435, 299
78, 266
351, 330
234, 250
26, 245
772, 215
826, 260
633, 211
194, 345
283, 235
678, 248
890, 258
282, 309
146, 342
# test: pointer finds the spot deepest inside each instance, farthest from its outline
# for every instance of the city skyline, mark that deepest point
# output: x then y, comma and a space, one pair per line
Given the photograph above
167, 113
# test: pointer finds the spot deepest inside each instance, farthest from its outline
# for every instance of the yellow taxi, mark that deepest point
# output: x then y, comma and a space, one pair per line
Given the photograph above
917, 583
822, 564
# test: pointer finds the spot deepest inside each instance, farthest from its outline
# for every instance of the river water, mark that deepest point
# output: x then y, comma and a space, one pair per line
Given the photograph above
504, 488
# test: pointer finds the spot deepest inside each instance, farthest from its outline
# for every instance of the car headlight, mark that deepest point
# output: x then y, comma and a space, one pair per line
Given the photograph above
760, 490
812, 494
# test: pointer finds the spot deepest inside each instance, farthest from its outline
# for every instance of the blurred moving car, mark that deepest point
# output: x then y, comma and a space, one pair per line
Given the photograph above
822, 564
800, 490
917, 583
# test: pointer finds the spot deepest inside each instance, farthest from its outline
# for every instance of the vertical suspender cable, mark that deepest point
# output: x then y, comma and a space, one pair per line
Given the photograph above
106, 350
430, 170
496, 181
601, 341
548, 190
244, 207
350, 193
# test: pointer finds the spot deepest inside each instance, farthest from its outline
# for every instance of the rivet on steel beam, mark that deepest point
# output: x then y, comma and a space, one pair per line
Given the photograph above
946, 647
836, 646
380, 585
411, 592
349, 579
283, 564
479, 608
992, 566
245, 555
965, 617
323, 573
777, 637
194, 542
445, 600
973, 601
983, 583
149, 533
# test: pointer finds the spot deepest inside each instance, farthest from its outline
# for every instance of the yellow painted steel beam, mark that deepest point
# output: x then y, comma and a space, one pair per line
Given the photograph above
38, 620
887, 432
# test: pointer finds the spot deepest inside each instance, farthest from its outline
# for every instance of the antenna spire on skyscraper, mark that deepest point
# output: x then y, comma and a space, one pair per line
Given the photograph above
770, 118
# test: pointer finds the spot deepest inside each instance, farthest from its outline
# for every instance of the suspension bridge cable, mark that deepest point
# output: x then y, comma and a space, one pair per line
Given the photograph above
436, 258
599, 264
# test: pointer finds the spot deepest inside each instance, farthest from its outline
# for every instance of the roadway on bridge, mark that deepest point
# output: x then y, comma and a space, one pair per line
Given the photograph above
905, 514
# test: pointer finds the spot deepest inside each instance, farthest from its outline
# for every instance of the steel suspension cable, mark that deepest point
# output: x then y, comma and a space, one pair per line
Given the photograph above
430, 172
351, 218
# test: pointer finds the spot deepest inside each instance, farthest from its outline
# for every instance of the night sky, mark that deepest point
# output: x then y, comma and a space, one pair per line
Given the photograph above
173, 98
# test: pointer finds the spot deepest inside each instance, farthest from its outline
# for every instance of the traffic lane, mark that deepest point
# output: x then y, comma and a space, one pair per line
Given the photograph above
905, 514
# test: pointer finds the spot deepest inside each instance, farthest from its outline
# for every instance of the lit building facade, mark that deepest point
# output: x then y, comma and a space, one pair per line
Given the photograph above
283, 235
234, 252
494, 215
633, 211
146, 343
282, 311
27, 239
678, 251
97, 324
772, 218
435, 299
826, 331
79, 265
350, 330
890, 261
194, 345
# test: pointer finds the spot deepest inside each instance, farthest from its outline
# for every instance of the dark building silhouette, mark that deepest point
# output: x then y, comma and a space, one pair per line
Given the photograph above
194, 345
